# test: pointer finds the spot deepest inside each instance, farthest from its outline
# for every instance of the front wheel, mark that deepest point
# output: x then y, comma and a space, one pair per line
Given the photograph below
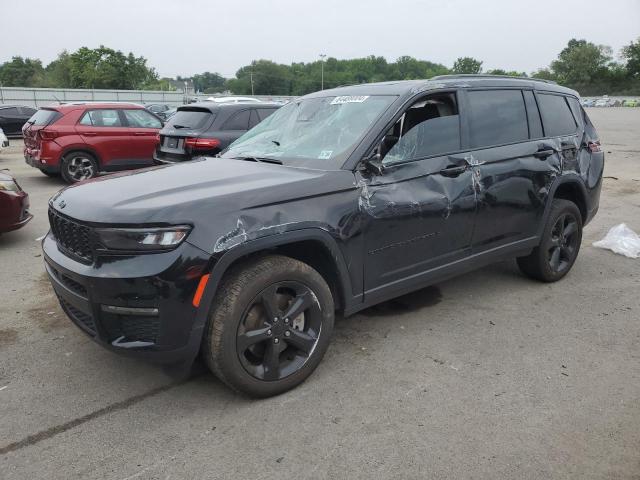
78, 166
559, 246
269, 326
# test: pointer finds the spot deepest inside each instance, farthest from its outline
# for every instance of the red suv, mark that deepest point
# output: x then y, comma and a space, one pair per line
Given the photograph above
79, 140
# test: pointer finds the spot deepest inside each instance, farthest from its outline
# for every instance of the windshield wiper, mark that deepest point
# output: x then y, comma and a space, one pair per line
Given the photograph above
178, 127
276, 142
260, 159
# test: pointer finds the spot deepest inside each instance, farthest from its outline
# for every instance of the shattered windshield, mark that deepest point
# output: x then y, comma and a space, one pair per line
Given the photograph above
325, 129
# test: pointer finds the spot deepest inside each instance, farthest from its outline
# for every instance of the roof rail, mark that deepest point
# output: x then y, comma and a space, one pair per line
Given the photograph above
485, 75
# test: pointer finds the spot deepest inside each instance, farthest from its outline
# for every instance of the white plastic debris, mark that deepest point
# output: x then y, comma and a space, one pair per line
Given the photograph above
621, 239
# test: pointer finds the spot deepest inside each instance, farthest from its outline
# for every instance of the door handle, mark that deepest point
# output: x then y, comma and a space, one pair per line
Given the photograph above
139, 134
89, 134
453, 171
544, 150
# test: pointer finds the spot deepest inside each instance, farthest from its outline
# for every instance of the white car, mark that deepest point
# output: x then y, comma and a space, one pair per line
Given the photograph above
233, 100
4, 141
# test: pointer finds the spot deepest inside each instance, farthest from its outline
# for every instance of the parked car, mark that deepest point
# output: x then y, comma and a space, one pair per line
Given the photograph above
603, 102
233, 100
14, 204
630, 103
162, 110
589, 102
13, 117
79, 140
340, 200
4, 141
206, 129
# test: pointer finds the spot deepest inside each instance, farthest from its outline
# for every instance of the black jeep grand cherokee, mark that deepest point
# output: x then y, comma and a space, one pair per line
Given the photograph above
339, 200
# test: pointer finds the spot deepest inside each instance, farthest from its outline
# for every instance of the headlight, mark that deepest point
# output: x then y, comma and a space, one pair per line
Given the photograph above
9, 186
142, 239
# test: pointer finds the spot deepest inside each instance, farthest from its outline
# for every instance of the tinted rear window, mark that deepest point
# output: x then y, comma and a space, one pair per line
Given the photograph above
497, 117
190, 119
557, 118
44, 117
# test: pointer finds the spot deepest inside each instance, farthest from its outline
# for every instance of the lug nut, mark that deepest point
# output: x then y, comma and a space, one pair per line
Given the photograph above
275, 319
286, 320
287, 333
268, 332
276, 340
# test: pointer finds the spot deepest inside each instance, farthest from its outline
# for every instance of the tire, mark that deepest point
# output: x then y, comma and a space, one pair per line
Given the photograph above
250, 343
78, 166
559, 246
51, 174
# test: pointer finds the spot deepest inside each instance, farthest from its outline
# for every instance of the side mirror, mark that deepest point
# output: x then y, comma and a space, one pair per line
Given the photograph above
373, 164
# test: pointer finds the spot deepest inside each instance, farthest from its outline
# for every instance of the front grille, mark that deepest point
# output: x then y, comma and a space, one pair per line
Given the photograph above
72, 236
78, 317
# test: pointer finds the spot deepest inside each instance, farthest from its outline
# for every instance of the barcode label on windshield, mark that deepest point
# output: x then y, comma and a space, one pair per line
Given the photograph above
349, 99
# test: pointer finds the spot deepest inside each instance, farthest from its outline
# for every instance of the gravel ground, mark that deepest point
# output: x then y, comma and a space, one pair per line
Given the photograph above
489, 375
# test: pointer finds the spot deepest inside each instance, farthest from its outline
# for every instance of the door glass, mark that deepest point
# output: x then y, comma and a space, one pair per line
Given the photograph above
556, 115
105, 118
497, 117
240, 121
254, 119
428, 128
141, 119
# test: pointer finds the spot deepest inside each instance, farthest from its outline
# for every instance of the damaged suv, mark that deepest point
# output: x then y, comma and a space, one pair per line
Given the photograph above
339, 200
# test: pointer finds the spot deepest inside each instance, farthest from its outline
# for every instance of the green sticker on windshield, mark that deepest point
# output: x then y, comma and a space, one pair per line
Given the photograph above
325, 154
349, 99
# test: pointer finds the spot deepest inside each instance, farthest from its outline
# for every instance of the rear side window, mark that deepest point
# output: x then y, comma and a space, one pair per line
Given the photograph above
576, 109
265, 112
141, 119
497, 117
101, 118
557, 118
533, 115
239, 121
44, 117
189, 119
8, 112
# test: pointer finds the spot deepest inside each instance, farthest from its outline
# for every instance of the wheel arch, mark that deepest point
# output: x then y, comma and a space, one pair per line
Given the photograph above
568, 187
81, 148
315, 247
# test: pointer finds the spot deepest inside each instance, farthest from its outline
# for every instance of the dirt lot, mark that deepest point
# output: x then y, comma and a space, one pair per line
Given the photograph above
486, 376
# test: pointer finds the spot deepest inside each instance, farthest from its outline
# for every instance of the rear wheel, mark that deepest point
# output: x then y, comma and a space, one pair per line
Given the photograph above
78, 166
560, 244
269, 326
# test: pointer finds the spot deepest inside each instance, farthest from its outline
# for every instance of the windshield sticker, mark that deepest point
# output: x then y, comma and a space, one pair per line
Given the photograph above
349, 99
325, 154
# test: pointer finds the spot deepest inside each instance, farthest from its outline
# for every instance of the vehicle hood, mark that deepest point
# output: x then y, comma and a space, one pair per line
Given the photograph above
217, 196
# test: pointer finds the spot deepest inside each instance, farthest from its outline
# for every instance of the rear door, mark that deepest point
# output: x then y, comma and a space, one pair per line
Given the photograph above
513, 166
104, 130
143, 128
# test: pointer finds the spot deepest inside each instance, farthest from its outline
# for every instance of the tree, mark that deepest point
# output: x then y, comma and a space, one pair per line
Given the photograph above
510, 73
467, 65
208, 82
581, 63
22, 72
631, 53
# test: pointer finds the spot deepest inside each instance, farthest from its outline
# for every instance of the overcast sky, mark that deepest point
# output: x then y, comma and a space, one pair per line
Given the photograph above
183, 37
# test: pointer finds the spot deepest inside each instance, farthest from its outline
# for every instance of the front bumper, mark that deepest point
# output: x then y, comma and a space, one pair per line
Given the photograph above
138, 305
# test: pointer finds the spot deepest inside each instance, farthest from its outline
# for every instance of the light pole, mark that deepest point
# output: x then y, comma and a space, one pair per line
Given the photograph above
322, 57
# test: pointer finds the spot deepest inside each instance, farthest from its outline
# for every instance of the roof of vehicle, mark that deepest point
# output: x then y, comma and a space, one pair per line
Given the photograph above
214, 107
6, 105
402, 87
83, 105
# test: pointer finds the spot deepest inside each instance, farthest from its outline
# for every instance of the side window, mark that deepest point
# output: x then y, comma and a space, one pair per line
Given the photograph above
9, 112
557, 118
265, 112
577, 110
104, 118
496, 117
86, 119
239, 121
254, 120
141, 119
428, 128
533, 115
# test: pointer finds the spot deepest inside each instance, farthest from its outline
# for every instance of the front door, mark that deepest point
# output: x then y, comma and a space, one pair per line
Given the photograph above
420, 210
105, 132
143, 128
